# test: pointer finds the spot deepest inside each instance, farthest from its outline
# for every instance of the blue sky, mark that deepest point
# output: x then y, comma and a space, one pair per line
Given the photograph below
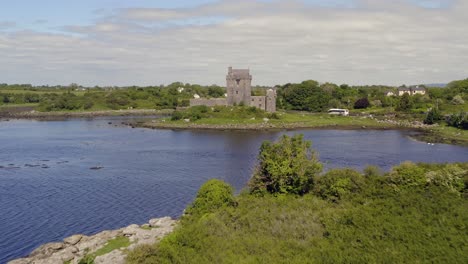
50, 15
142, 42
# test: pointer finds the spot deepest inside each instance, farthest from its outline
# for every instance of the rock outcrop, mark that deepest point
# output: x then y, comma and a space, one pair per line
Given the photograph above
75, 247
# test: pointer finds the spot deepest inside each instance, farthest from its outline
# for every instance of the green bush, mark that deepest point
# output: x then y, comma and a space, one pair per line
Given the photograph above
407, 174
337, 183
433, 116
211, 196
459, 120
451, 177
177, 115
287, 166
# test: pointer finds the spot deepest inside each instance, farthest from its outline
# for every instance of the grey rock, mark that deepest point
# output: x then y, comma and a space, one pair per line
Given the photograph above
75, 247
73, 240
114, 257
47, 249
157, 222
130, 230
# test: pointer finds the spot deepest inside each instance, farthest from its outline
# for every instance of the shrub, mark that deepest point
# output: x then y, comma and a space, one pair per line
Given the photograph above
287, 166
336, 184
407, 174
450, 177
211, 196
117, 100
176, 115
459, 120
372, 171
362, 103
88, 104
433, 116
457, 100
377, 103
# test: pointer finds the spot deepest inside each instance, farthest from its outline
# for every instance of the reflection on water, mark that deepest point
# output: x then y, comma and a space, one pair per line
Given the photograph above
48, 191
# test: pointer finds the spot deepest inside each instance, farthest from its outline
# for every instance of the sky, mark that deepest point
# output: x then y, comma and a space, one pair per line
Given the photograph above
152, 42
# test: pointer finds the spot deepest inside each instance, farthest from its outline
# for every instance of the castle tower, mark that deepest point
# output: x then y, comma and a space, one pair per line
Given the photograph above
270, 104
238, 86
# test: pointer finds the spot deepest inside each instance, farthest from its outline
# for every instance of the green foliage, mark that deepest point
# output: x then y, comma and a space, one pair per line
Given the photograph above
338, 183
451, 177
459, 120
404, 104
407, 174
237, 112
362, 103
370, 223
216, 91
433, 116
372, 171
285, 167
457, 100
306, 96
212, 195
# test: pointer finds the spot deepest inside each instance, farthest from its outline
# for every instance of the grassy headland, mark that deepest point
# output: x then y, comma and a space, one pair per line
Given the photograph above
293, 213
251, 118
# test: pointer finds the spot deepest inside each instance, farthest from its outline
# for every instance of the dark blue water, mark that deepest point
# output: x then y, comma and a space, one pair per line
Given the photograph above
48, 191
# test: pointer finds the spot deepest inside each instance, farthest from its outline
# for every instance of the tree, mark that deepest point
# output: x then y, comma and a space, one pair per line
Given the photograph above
404, 103
287, 166
458, 100
216, 91
433, 116
362, 103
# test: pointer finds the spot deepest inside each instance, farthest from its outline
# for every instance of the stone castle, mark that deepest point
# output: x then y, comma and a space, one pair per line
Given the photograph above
239, 92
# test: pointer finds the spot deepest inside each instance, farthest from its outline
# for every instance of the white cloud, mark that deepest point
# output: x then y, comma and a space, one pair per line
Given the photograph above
281, 41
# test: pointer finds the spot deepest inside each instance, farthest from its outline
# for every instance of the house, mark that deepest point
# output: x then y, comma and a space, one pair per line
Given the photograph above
412, 90
389, 93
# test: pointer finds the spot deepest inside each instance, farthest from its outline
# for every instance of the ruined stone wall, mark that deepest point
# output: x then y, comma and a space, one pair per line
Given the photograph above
258, 101
208, 102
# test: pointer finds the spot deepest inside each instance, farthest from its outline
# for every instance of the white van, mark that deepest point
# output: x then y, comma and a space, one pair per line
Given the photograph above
336, 111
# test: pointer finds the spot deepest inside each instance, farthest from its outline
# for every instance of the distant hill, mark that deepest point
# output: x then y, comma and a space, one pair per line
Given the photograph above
442, 85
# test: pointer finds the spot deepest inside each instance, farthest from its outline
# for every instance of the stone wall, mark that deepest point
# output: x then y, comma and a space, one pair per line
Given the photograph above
258, 101
208, 102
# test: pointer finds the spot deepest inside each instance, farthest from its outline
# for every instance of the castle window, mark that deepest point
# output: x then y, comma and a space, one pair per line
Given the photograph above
253, 99
237, 92
237, 81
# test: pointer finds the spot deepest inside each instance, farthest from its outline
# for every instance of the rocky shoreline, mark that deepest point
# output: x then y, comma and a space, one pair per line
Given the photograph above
383, 125
74, 248
11, 113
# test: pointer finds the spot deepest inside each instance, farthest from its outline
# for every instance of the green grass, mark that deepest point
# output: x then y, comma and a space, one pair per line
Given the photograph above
451, 109
282, 119
445, 134
18, 105
113, 244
